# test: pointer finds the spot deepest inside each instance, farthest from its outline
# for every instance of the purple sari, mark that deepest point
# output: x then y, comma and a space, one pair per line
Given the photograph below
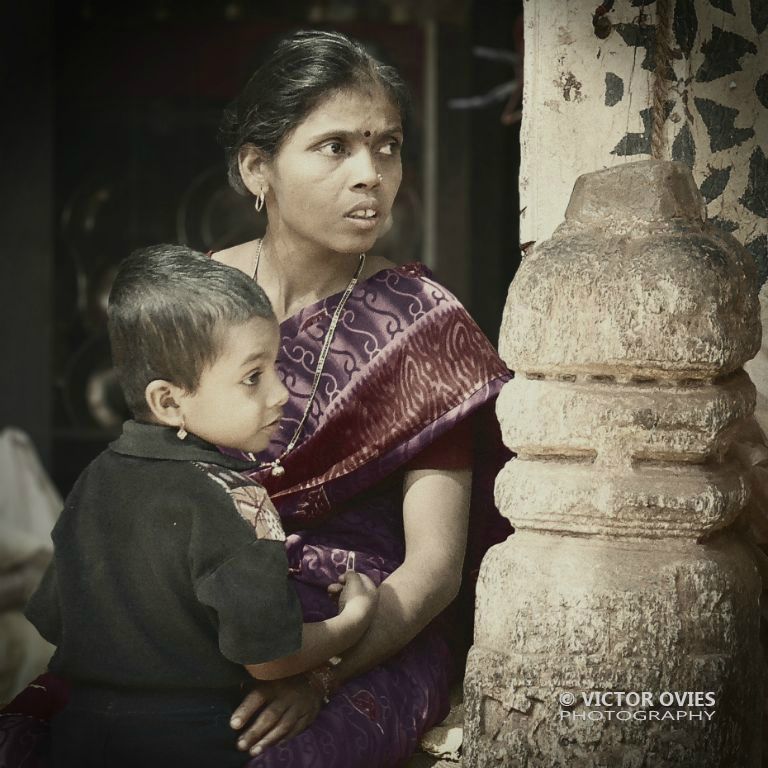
407, 364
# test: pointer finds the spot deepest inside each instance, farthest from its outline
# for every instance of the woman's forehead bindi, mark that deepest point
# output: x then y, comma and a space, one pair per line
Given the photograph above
365, 113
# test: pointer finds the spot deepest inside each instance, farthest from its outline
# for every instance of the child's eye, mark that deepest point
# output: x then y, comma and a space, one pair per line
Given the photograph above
333, 149
252, 379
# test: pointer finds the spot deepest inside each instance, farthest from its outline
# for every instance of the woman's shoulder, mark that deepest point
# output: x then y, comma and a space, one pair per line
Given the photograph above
418, 281
239, 256
417, 271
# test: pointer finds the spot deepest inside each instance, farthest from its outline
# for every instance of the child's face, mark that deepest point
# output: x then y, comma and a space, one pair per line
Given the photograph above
239, 400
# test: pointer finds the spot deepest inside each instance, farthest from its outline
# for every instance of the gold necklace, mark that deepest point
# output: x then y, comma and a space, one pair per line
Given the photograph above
277, 469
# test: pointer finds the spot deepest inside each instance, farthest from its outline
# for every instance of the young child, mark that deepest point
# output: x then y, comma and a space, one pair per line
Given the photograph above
169, 583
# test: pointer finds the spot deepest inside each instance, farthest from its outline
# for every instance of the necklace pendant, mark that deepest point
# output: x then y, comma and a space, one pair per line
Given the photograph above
275, 468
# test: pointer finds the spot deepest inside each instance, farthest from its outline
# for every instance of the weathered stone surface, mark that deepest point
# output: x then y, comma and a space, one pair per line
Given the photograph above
598, 418
623, 226
646, 194
758, 366
575, 595
565, 615
650, 502
627, 331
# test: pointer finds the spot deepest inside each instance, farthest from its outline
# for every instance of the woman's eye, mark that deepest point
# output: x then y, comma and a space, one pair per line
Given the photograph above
390, 148
252, 379
333, 149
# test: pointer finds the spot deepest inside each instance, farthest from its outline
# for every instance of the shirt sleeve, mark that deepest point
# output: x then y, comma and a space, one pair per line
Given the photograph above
44, 609
239, 570
258, 611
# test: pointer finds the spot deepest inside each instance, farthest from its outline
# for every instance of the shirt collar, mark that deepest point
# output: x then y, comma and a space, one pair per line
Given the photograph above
153, 441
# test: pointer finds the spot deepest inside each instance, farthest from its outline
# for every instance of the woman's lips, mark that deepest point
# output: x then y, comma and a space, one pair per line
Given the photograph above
365, 215
365, 219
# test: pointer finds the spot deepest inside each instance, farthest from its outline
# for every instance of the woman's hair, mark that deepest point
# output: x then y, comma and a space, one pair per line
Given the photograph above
303, 70
168, 308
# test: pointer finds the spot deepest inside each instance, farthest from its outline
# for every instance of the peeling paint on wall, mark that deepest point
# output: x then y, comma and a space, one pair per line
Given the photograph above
759, 14
717, 104
642, 36
639, 143
755, 197
685, 25
724, 224
759, 250
723, 54
721, 125
714, 185
723, 5
571, 87
614, 89
761, 89
684, 148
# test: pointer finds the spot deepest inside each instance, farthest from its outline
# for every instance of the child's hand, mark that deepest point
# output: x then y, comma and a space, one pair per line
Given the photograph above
358, 594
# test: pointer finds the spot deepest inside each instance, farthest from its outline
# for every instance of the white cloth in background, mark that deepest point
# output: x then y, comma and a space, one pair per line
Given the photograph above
29, 507
751, 447
757, 368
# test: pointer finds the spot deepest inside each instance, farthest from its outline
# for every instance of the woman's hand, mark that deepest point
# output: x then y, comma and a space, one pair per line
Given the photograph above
285, 708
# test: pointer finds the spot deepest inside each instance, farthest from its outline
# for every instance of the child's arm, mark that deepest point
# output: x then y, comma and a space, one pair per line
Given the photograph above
322, 640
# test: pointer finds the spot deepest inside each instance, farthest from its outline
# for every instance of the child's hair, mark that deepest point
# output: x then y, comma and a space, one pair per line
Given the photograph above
167, 309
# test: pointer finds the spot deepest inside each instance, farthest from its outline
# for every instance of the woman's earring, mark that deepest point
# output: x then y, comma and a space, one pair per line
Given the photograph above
182, 433
381, 178
259, 204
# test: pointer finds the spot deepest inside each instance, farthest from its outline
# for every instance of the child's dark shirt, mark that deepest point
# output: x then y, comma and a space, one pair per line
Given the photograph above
169, 570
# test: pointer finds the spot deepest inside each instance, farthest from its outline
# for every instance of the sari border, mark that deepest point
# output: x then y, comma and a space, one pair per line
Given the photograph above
445, 310
371, 470
489, 368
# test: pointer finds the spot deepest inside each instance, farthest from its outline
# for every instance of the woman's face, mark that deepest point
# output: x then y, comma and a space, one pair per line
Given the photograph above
334, 179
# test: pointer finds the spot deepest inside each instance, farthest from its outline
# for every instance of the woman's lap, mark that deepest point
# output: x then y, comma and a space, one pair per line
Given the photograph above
24, 740
376, 720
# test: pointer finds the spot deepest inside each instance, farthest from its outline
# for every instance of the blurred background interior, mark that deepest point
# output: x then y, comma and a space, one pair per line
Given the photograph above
109, 143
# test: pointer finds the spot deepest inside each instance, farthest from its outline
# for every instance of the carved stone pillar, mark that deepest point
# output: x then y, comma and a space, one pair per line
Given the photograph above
627, 330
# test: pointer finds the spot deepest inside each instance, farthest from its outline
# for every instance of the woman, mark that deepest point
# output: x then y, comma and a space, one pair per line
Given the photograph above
372, 465
374, 462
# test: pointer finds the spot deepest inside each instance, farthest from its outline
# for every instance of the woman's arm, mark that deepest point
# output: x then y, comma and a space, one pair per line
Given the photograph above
435, 516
